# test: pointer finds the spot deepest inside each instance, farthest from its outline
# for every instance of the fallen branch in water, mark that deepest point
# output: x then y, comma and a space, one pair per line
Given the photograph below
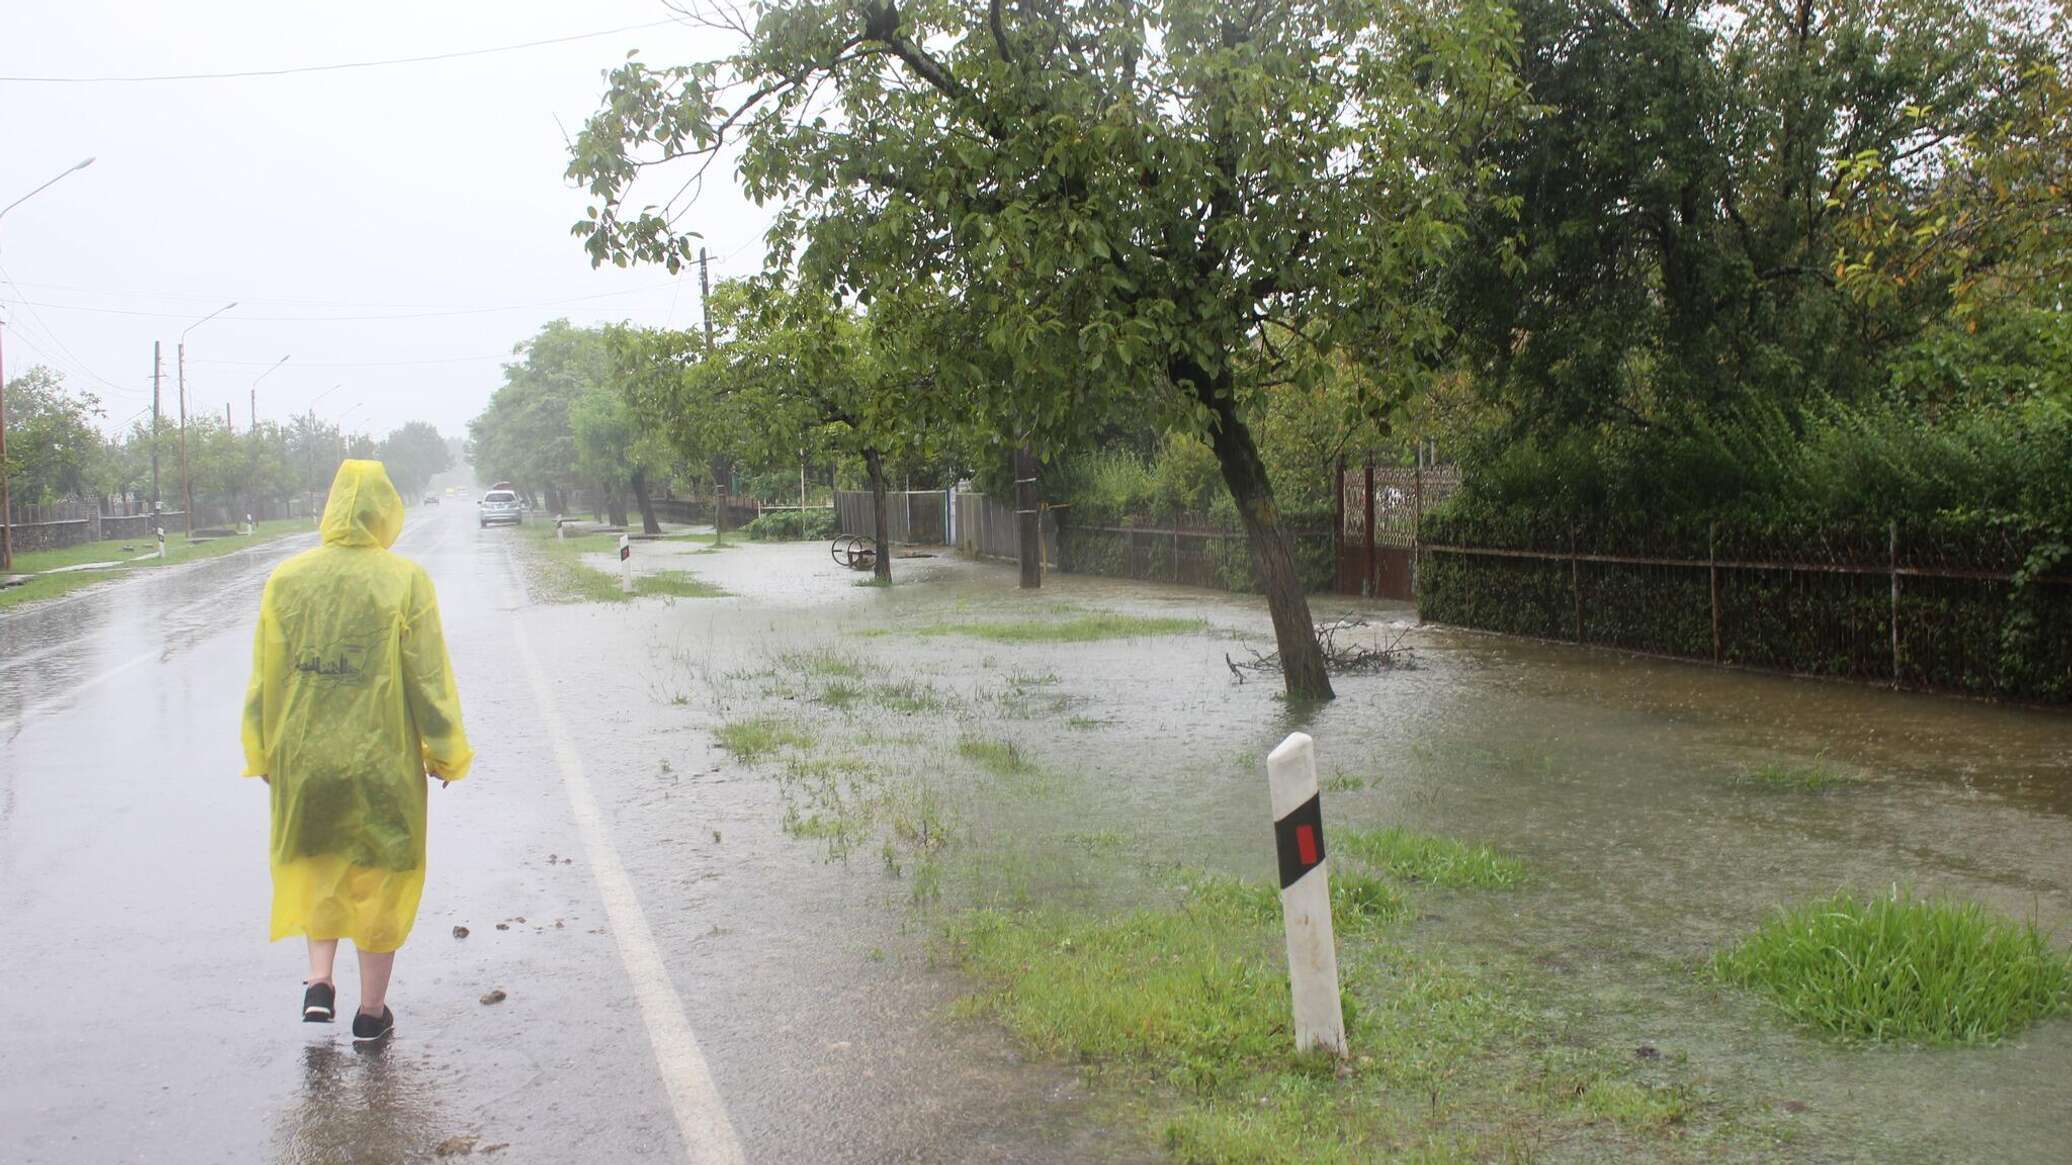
1339, 659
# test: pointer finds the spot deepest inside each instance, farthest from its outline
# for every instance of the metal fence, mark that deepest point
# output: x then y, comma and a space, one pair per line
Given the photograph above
1380, 508
1924, 609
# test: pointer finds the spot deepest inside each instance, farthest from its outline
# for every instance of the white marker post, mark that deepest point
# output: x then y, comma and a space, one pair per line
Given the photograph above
1298, 829
161, 543
625, 564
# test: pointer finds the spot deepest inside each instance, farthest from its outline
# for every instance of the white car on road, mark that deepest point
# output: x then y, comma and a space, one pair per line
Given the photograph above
501, 505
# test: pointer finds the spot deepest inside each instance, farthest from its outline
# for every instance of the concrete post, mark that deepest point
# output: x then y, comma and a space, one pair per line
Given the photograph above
161, 543
625, 564
1298, 827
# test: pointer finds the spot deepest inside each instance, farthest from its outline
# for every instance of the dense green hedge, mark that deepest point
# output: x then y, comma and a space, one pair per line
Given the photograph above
793, 526
1996, 637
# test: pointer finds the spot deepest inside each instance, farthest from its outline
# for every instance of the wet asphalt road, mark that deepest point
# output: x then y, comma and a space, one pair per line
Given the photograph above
147, 1019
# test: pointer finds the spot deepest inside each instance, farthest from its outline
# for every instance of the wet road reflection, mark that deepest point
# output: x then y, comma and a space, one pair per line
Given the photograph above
360, 1105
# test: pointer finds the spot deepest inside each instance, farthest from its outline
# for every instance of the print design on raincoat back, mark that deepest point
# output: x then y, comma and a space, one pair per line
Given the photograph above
351, 703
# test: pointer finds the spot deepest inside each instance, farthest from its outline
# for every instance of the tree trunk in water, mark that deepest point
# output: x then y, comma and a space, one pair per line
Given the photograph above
1294, 633
648, 524
1028, 519
615, 505
880, 519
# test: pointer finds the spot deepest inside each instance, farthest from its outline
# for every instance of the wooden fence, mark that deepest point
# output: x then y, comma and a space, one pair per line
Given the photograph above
913, 517
986, 528
1927, 610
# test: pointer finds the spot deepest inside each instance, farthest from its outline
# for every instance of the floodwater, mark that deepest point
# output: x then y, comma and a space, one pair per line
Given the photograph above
1615, 778
133, 978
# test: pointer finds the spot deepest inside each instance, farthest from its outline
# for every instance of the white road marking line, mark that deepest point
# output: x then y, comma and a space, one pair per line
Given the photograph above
708, 1136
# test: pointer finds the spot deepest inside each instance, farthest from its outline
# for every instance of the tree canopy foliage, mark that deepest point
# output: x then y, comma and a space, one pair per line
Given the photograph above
1153, 206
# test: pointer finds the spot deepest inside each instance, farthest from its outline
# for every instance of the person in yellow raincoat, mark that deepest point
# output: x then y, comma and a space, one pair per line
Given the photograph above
350, 709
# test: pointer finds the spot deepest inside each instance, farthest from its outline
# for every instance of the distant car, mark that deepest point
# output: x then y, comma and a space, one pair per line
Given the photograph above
501, 506
431, 499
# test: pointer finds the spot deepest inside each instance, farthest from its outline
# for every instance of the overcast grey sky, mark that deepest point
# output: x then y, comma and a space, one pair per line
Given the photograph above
314, 198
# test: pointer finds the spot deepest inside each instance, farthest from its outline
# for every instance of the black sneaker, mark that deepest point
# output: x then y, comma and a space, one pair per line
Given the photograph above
368, 1029
319, 1003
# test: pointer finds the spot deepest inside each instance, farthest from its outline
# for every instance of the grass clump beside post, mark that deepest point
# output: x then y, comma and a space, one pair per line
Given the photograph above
1437, 861
1900, 968
1189, 1002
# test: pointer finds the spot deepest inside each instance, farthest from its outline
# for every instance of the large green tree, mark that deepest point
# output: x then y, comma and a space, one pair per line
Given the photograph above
1667, 254
525, 436
53, 442
1121, 197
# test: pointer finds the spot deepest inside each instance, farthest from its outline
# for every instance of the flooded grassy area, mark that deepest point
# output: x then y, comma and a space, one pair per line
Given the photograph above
1540, 855
583, 568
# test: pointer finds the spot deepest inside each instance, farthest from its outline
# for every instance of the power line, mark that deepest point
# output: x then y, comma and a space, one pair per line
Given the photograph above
246, 298
359, 363
315, 319
52, 334
332, 68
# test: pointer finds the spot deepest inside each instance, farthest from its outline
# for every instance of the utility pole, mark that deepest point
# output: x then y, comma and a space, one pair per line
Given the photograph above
186, 491
705, 297
720, 469
157, 376
6, 502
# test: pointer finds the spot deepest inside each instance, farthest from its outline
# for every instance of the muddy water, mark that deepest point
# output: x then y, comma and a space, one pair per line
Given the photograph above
1615, 779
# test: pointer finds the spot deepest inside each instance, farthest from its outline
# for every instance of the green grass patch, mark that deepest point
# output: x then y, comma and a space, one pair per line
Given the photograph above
906, 697
1437, 861
761, 736
1900, 968
1001, 758
1779, 777
1634, 1104
823, 662
680, 584
1082, 629
177, 550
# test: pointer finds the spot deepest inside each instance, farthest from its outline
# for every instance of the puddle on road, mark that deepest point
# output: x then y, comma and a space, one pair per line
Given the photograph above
1081, 774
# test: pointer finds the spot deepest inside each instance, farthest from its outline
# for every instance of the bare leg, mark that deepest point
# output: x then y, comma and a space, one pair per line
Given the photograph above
323, 955
375, 967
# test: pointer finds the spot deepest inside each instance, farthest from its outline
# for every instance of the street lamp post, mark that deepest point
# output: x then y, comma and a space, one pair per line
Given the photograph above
252, 431
253, 419
6, 500
187, 488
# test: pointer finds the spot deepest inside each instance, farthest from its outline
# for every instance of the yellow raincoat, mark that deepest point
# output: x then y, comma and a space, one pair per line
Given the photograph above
351, 704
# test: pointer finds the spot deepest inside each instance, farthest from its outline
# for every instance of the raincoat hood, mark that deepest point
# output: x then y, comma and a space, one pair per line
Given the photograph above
364, 509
